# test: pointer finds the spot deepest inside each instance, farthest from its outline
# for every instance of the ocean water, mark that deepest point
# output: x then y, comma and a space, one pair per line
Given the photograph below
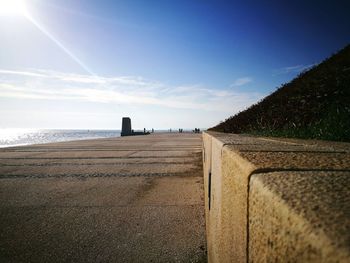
17, 137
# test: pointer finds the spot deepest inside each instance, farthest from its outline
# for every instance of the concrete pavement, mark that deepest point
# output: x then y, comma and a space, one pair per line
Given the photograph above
131, 199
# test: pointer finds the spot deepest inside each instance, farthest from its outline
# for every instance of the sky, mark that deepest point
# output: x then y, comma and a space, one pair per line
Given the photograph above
85, 64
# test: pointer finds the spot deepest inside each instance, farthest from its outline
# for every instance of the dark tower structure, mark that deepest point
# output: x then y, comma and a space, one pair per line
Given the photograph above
126, 127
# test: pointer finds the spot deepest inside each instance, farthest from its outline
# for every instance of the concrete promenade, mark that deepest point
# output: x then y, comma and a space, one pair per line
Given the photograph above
130, 199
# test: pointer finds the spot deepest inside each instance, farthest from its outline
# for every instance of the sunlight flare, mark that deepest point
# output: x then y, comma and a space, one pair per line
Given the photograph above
13, 8
60, 45
19, 8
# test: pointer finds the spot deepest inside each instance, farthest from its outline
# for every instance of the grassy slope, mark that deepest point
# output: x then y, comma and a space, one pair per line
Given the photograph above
316, 104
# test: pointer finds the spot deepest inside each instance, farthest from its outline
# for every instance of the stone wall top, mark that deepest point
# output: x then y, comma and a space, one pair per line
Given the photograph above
277, 199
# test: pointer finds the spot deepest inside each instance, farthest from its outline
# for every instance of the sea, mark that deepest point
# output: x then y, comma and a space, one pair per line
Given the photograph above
18, 137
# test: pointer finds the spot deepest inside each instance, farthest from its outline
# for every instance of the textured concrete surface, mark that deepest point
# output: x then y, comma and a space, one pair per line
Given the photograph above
206, 145
214, 227
232, 160
299, 217
131, 199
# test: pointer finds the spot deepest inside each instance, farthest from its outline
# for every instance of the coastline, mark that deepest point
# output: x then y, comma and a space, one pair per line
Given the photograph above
27, 137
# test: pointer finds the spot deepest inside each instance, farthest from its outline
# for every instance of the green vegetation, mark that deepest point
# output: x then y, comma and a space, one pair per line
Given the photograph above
315, 105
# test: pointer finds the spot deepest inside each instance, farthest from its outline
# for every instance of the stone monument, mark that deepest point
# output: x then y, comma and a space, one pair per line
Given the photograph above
126, 127
127, 131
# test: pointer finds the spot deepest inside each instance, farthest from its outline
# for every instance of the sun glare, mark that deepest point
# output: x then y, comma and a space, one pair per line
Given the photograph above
13, 8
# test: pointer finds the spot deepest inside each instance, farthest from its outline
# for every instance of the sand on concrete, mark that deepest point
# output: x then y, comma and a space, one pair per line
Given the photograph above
130, 199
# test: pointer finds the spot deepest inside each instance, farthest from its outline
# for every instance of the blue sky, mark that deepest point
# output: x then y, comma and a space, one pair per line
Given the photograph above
178, 64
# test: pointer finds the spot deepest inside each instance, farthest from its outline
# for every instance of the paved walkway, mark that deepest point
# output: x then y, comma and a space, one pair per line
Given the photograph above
130, 199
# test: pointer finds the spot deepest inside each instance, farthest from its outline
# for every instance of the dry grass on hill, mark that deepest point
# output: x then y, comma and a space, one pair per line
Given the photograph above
315, 105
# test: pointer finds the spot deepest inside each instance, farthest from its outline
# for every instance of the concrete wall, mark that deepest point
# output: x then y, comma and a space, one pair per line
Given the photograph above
276, 200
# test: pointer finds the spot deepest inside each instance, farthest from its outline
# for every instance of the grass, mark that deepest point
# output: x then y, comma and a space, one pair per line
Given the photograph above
315, 105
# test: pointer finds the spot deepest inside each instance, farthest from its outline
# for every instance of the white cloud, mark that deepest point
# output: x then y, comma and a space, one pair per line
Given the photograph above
292, 69
241, 81
127, 90
21, 73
